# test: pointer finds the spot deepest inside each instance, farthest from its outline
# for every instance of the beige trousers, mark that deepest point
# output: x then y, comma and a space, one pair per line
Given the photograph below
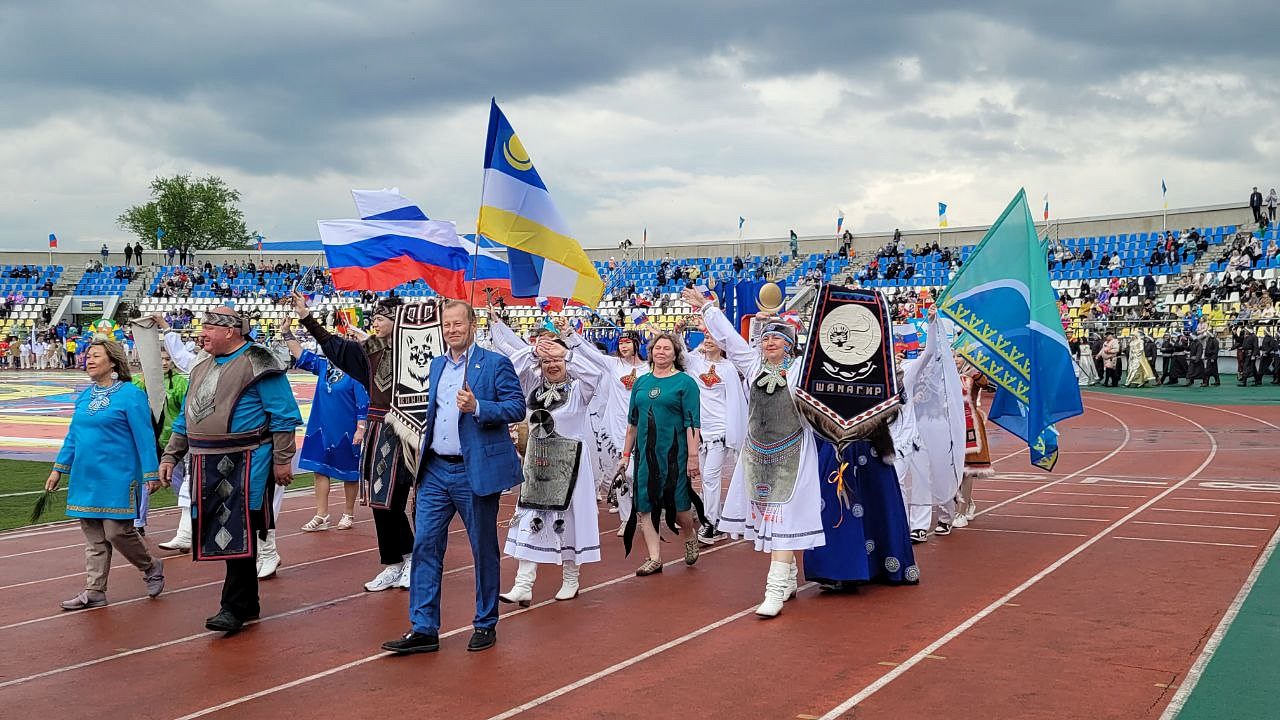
100, 537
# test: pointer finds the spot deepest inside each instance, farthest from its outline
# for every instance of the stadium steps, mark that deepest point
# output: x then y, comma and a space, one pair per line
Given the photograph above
63, 290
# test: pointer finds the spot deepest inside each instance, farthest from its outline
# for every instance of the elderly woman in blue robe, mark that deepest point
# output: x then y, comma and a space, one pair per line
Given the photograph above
110, 458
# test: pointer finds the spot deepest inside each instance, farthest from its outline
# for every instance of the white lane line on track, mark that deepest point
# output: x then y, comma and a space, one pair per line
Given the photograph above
365, 660
1192, 678
623, 665
1183, 542
1091, 494
144, 598
960, 629
1215, 527
1050, 517
1024, 532
1228, 500
189, 638
33, 552
1212, 512
124, 565
1104, 507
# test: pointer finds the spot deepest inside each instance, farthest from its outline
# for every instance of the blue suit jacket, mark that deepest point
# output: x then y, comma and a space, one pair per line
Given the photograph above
488, 453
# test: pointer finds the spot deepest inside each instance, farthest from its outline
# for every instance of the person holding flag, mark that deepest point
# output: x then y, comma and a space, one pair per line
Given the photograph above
369, 363
335, 431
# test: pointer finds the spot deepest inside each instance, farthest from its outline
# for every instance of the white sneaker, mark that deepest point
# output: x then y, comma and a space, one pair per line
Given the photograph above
388, 578
970, 510
405, 576
960, 520
346, 522
317, 523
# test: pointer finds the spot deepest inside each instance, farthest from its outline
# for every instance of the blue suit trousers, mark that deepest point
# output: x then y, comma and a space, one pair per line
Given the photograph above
443, 491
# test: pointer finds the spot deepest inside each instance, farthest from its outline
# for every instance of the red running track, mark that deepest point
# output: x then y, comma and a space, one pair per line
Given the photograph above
1085, 593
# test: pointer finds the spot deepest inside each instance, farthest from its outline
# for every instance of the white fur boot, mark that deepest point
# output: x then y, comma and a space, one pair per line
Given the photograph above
522, 590
268, 556
182, 539
569, 583
776, 586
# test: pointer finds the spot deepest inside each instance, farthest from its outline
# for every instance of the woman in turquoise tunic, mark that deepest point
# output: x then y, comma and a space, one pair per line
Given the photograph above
110, 456
662, 426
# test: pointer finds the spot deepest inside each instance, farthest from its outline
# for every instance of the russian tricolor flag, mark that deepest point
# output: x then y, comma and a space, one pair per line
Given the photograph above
488, 271
381, 254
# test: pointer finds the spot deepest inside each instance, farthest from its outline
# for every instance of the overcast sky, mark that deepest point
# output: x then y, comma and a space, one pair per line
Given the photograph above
678, 116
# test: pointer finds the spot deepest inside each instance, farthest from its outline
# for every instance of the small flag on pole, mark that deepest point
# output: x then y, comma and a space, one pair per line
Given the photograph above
942, 215
1164, 193
839, 222
1046, 206
53, 241
741, 220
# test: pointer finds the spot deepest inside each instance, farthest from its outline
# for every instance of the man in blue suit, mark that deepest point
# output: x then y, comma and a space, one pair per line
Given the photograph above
467, 461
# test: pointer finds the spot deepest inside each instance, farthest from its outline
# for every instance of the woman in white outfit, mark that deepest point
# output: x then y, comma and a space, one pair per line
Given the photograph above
560, 387
613, 400
722, 397
774, 498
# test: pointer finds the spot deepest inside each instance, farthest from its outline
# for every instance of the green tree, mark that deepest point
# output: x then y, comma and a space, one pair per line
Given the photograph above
200, 214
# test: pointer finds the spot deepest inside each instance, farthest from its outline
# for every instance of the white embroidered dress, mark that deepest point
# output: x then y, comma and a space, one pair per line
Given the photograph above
796, 524
547, 536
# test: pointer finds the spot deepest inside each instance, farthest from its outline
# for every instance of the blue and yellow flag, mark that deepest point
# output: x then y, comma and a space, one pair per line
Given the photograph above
516, 211
1010, 330
942, 215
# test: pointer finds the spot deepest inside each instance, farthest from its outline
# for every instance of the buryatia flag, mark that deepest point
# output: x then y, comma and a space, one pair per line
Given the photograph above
1046, 206
1164, 193
516, 211
381, 254
942, 214
1004, 307
53, 241
839, 222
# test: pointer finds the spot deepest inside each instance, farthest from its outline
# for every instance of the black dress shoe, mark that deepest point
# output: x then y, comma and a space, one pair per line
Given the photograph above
413, 642
482, 639
225, 621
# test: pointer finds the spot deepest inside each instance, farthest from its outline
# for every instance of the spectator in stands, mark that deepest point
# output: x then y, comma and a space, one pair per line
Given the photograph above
1114, 262
105, 253
1255, 204
1272, 202
1087, 255
128, 255
170, 253
137, 252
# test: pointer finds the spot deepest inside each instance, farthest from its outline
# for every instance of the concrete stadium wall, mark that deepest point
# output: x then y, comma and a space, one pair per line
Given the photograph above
1178, 218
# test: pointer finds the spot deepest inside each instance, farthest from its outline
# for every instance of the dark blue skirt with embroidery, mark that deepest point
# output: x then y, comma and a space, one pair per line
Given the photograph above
864, 519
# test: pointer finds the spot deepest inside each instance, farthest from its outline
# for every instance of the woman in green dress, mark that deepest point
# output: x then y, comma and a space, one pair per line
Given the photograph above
662, 428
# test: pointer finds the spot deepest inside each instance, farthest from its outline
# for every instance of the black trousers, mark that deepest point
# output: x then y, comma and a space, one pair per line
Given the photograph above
395, 536
240, 588
1248, 369
1113, 376
1211, 371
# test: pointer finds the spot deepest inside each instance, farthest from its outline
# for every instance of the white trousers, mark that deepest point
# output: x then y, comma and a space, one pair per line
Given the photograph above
712, 456
919, 517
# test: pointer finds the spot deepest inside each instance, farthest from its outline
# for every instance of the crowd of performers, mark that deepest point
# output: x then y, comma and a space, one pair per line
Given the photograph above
651, 430
1183, 354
